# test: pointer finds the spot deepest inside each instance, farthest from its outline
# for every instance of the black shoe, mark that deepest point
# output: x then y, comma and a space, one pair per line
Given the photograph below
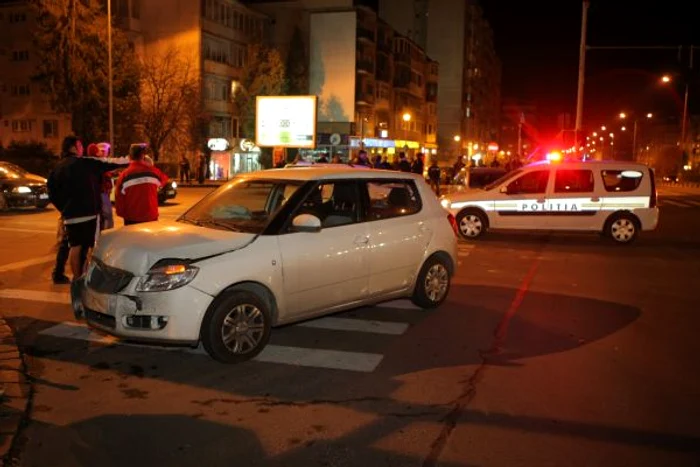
76, 295
61, 280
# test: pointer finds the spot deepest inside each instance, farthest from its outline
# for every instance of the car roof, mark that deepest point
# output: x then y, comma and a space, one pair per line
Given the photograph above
582, 164
328, 172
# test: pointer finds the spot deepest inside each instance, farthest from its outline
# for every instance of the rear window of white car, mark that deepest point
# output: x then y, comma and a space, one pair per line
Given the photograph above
621, 181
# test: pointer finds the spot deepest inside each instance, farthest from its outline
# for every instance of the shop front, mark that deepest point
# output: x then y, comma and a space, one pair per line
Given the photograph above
228, 160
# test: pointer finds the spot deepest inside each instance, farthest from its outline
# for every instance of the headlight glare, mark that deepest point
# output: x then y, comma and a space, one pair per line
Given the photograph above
163, 277
22, 189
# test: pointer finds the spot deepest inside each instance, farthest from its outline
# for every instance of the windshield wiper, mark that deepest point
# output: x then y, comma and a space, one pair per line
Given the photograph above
190, 221
216, 223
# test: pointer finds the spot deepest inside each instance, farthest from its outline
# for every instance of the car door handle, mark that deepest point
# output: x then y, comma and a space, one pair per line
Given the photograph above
595, 199
362, 240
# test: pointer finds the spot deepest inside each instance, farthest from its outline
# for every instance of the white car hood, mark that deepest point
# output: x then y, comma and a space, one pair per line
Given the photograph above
138, 247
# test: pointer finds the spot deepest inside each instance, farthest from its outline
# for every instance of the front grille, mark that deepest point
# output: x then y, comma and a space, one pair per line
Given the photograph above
101, 319
106, 279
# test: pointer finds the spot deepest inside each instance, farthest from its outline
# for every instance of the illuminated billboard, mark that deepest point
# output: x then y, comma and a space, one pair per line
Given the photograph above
332, 64
285, 121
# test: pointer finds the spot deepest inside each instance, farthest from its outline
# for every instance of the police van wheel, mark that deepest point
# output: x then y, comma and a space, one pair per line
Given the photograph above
622, 228
472, 224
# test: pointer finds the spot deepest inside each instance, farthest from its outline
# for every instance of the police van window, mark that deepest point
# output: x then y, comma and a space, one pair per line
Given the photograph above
573, 181
620, 181
534, 182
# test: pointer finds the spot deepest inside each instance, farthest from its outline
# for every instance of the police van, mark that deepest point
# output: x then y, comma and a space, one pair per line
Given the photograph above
617, 199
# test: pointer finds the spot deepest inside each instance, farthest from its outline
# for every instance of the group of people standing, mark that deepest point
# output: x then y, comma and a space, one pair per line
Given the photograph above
416, 166
80, 188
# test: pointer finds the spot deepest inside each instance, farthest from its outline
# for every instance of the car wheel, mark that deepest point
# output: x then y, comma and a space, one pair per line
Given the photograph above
3, 203
237, 328
42, 205
472, 224
432, 284
622, 228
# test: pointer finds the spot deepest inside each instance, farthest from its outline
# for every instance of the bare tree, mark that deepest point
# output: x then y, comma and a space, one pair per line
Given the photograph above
169, 100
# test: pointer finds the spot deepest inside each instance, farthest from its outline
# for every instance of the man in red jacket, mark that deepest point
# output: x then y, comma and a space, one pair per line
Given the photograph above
136, 191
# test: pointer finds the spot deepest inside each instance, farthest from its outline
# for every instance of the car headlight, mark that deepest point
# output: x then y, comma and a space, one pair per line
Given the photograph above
446, 203
21, 189
173, 184
167, 276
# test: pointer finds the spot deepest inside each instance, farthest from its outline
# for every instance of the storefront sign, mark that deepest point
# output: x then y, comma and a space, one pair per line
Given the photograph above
372, 143
247, 145
217, 144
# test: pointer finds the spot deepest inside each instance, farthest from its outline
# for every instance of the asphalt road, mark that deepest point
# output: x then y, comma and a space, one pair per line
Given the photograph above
551, 350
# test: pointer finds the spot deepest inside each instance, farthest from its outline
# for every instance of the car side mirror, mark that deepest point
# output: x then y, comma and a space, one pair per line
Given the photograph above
306, 223
504, 189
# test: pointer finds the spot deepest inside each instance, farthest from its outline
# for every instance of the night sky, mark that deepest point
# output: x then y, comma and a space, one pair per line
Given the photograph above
538, 43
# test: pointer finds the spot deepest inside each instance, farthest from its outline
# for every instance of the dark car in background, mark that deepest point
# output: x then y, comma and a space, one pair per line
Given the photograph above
21, 189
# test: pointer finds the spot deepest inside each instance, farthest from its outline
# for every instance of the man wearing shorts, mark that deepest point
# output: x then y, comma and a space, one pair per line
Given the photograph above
75, 188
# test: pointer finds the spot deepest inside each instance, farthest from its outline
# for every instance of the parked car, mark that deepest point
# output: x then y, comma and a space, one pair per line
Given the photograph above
21, 189
267, 249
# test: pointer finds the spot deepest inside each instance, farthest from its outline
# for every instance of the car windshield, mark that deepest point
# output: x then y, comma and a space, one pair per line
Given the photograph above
242, 205
501, 180
8, 170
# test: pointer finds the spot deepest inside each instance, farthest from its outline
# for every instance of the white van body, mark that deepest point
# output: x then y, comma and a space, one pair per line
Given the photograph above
615, 198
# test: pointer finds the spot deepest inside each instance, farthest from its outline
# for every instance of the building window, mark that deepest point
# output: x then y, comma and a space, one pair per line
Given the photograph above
136, 9
18, 17
21, 126
234, 129
20, 55
20, 90
50, 128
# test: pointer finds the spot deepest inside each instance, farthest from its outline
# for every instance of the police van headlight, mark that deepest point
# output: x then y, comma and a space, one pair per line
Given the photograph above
446, 203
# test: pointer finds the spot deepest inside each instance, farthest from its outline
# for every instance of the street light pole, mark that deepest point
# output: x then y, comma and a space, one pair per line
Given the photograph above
634, 141
685, 105
581, 72
109, 75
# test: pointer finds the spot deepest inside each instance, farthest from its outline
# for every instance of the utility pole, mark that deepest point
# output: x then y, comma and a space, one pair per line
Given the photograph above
109, 77
520, 135
684, 124
581, 73
634, 141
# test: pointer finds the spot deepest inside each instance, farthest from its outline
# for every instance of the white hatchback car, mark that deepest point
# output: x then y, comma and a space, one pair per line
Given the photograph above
617, 199
267, 249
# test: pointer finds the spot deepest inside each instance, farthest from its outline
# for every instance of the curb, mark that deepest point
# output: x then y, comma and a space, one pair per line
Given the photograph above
14, 391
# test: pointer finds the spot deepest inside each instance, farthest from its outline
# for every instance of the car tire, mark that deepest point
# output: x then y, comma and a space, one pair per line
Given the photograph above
42, 205
622, 228
3, 203
245, 318
432, 284
471, 224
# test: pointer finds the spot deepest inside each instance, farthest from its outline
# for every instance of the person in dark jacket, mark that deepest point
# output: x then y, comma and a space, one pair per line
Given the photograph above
75, 188
418, 165
404, 165
137, 188
434, 176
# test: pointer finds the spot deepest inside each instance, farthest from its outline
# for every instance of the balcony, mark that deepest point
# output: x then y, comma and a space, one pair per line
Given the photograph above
364, 96
365, 66
365, 34
402, 58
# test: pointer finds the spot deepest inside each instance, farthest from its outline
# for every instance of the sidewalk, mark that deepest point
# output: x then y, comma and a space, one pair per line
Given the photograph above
196, 184
14, 391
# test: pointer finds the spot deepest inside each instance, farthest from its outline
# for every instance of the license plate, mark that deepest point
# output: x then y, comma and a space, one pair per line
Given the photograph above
43, 196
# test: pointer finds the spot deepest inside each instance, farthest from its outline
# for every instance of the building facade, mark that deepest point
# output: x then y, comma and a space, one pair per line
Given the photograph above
26, 113
468, 101
395, 85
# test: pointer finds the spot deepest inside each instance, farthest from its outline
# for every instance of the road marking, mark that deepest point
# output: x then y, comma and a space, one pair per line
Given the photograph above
673, 202
298, 356
27, 263
36, 296
10, 229
356, 325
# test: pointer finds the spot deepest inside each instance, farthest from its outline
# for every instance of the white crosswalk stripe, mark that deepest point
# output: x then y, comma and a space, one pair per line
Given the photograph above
356, 329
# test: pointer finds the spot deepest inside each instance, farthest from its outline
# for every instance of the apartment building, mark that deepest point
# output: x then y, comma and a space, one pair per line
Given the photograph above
457, 35
26, 113
390, 105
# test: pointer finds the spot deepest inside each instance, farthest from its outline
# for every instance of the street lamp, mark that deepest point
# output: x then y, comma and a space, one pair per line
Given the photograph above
667, 79
623, 116
457, 138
